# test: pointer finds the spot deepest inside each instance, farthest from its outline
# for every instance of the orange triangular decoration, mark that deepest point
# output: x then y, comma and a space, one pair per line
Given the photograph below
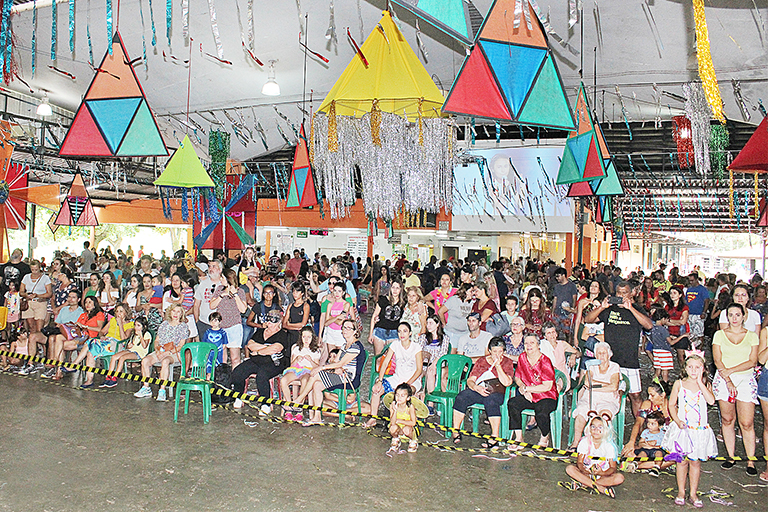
114, 78
499, 26
301, 156
77, 189
582, 114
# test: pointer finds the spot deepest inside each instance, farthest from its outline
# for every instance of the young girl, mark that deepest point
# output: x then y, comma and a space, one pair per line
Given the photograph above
305, 355
690, 432
137, 348
13, 303
663, 360
19, 345
597, 473
402, 420
434, 346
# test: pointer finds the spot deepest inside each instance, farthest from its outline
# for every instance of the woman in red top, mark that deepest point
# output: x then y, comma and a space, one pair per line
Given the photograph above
535, 380
648, 294
90, 323
678, 322
483, 304
534, 312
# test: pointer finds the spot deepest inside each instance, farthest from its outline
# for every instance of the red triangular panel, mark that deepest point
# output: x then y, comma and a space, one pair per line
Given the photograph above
64, 218
87, 216
84, 137
754, 156
309, 197
594, 166
762, 222
475, 92
580, 189
624, 243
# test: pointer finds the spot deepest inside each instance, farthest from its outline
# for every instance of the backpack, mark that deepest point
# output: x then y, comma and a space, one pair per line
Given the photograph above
497, 325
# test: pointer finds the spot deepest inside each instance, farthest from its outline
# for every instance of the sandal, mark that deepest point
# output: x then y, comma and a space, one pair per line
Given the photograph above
456, 439
412, 446
696, 503
679, 501
573, 485
490, 444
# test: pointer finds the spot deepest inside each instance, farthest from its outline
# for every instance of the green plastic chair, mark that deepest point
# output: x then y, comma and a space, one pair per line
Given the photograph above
151, 348
458, 368
556, 416
618, 420
341, 394
374, 373
105, 359
193, 378
477, 408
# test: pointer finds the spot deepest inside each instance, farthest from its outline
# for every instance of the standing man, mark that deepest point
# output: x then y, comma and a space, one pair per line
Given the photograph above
294, 264
14, 270
86, 257
565, 294
204, 294
697, 298
624, 324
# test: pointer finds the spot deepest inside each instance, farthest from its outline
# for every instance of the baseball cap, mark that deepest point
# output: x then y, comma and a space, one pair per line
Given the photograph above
202, 266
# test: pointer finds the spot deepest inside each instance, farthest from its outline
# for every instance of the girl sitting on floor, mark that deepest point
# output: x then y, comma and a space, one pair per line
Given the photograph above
595, 466
402, 420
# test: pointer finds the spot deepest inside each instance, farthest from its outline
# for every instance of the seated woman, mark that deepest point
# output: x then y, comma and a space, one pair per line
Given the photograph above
335, 375
408, 368
601, 383
535, 380
89, 324
172, 334
487, 381
658, 393
119, 328
137, 347
563, 355
434, 345
595, 466
66, 338
270, 350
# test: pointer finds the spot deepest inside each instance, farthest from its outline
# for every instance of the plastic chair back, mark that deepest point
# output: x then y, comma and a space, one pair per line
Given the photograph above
458, 367
199, 353
362, 359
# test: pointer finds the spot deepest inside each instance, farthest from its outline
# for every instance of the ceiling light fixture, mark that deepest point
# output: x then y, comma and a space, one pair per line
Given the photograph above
271, 88
44, 108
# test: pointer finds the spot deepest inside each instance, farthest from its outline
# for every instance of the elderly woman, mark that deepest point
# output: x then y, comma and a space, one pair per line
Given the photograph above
600, 392
270, 350
489, 378
336, 375
536, 389
172, 334
734, 350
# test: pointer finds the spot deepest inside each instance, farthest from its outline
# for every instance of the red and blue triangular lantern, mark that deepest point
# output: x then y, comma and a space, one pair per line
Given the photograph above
301, 186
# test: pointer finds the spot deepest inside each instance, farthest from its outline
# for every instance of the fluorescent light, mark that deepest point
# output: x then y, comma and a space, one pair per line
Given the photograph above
276, 228
422, 232
347, 230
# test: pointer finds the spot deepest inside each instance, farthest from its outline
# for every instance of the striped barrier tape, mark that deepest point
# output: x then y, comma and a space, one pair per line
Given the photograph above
276, 401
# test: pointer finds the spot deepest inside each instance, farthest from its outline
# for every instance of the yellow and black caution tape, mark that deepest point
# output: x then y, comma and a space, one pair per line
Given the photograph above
275, 401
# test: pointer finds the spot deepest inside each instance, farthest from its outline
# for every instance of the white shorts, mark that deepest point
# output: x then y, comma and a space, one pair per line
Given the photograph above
746, 387
234, 336
333, 337
192, 326
634, 379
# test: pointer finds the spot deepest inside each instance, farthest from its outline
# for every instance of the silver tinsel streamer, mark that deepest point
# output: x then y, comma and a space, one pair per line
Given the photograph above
400, 173
697, 110
330, 34
215, 29
185, 19
740, 99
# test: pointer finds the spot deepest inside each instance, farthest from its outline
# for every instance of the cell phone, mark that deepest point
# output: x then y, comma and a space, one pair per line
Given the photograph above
615, 300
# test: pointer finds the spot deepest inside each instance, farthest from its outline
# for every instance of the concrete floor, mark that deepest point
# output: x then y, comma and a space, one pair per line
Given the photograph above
64, 449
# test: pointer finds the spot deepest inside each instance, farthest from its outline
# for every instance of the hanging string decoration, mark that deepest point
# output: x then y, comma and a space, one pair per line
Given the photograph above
185, 18
718, 145
757, 199
109, 24
6, 43
372, 124
214, 29
72, 26
168, 18
706, 67
681, 131
330, 34
34, 36
218, 150
698, 112
88, 33
54, 16
152, 23
736, 84
730, 192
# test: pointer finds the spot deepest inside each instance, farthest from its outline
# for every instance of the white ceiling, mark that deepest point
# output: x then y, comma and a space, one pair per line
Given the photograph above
628, 56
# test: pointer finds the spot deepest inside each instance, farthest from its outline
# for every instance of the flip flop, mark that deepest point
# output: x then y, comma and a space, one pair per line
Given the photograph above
679, 501
456, 439
490, 444
697, 503
573, 485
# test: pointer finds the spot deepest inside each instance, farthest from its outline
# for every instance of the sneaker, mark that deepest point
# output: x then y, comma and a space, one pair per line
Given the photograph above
13, 368
238, 404
654, 472
67, 370
144, 392
265, 409
25, 370
751, 471
110, 383
48, 373
161, 396
38, 367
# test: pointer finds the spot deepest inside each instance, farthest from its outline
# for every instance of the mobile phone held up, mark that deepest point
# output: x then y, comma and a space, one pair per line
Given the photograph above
615, 300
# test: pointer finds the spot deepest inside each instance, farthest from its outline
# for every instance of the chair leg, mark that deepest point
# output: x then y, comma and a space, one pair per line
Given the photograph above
186, 400
342, 405
176, 409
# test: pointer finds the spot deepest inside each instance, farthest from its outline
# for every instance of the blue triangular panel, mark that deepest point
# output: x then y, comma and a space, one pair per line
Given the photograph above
301, 179
579, 146
515, 68
113, 117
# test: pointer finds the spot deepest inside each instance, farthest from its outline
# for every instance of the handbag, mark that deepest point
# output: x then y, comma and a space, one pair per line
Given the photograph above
23, 304
494, 386
497, 325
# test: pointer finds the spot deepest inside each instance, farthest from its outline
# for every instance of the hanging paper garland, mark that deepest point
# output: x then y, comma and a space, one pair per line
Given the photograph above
706, 67
681, 131
152, 22
168, 16
34, 36
53, 31
72, 26
718, 143
218, 150
698, 111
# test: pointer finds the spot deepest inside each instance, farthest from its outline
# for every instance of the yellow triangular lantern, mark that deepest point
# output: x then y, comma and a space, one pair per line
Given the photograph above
184, 169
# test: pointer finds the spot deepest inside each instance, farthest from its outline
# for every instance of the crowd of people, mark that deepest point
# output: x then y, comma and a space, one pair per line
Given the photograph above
533, 327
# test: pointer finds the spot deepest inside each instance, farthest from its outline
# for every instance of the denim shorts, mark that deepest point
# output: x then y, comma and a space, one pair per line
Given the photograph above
385, 334
762, 385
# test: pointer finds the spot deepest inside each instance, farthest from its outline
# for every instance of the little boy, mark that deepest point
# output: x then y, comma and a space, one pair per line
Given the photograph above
650, 444
218, 337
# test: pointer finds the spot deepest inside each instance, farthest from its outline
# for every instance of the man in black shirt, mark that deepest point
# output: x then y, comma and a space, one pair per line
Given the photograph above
623, 325
14, 270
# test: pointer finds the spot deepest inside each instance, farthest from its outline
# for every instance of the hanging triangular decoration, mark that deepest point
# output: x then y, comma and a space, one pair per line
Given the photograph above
449, 16
516, 61
301, 186
76, 208
114, 118
753, 157
624, 242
